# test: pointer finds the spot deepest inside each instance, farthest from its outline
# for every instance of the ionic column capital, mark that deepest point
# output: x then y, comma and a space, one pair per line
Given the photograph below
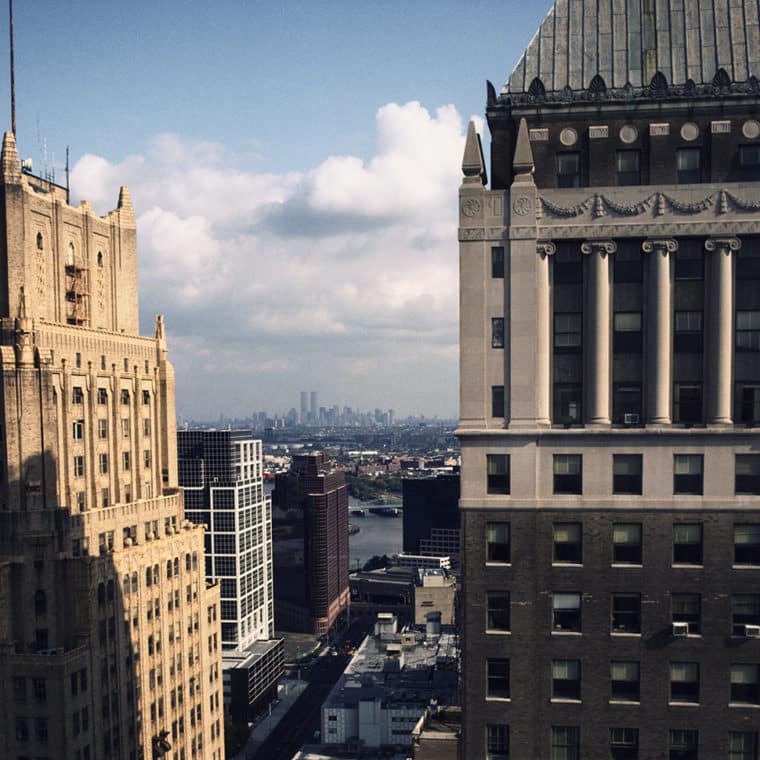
724, 244
660, 245
603, 247
545, 248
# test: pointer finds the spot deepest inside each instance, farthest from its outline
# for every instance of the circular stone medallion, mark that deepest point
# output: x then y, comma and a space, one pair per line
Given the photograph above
689, 131
568, 136
751, 129
629, 134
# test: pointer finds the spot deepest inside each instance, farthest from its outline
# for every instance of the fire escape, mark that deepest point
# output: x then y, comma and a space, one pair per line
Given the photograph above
77, 291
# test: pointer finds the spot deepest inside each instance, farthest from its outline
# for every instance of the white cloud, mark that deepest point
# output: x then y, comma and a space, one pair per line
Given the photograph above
342, 279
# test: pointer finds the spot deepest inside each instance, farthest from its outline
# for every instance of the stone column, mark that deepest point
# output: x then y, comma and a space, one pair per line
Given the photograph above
658, 343
597, 330
720, 350
543, 333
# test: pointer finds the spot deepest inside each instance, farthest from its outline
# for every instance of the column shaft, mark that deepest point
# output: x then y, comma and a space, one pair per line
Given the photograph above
543, 334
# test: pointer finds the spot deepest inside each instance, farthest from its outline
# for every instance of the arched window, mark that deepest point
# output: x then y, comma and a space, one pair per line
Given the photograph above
110, 591
168, 568
101, 594
40, 602
134, 582
39, 241
100, 258
148, 576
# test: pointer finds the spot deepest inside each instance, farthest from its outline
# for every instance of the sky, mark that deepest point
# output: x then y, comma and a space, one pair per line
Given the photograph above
294, 171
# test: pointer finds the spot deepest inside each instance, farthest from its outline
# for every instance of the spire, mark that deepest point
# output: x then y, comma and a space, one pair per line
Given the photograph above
125, 200
522, 163
9, 159
473, 166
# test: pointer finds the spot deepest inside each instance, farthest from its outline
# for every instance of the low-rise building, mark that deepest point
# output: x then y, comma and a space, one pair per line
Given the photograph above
435, 593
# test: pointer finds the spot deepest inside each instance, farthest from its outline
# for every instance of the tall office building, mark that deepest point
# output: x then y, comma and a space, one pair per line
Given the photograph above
109, 635
610, 389
310, 544
304, 416
313, 409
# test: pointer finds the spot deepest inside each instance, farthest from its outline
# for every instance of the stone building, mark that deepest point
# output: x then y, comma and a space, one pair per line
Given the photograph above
610, 390
109, 636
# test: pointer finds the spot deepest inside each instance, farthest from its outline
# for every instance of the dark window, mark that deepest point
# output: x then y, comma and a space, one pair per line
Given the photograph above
568, 547
19, 688
747, 544
684, 682
125, 397
687, 544
626, 613
566, 743
566, 679
497, 611
626, 403
745, 683
624, 681
497, 742
687, 608
687, 403
567, 403
689, 165
626, 473
567, 332
498, 473
102, 396
749, 161
146, 397
748, 397
497, 542
40, 602
39, 689
626, 336
747, 330
626, 544
77, 395
742, 745
566, 612
627, 167
748, 263
627, 265
568, 475
497, 401
687, 332
624, 744
497, 678
689, 263
568, 265
687, 474
683, 744
745, 611
497, 332
568, 169
497, 261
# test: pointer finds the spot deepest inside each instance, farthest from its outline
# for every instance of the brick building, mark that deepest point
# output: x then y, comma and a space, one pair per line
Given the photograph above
610, 390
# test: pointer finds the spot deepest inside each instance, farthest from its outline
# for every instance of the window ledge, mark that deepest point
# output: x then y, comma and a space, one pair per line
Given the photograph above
627, 634
565, 701
567, 633
684, 704
625, 701
745, 567
498, 699
492, 563
497, 632
748, 705
638, 565
687, 566
567, 564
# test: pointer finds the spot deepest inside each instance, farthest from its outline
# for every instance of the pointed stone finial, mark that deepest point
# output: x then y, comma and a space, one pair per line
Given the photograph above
159, 327
125, 200
9, 159
473, 166
522, 163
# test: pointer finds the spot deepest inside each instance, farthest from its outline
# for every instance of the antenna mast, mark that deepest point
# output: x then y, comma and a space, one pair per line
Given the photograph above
13, 73
67, 175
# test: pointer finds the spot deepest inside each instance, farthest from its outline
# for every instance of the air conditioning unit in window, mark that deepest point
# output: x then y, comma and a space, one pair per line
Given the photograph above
631, 419
680, 629
752, 631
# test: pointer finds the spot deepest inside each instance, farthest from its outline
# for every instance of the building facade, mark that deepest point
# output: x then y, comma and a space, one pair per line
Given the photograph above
109, 636
610, 372
310, 529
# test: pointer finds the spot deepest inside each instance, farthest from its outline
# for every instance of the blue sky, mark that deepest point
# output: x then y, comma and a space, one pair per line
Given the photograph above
294, 169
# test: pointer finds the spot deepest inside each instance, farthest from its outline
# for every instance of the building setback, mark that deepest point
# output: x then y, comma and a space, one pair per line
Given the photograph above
610, 390
310, 543
109, 636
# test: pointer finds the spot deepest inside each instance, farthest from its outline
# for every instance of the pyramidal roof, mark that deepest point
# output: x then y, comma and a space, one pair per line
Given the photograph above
628, 41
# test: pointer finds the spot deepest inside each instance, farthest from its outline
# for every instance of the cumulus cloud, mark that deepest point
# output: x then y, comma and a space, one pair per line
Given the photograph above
341, 279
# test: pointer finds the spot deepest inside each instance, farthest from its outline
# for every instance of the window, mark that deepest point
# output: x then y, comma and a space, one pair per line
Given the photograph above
497, 400
567, 403
687, 403
689, 264
687, 608
626, 473
568, 547
497, 332
497, 261
497, 610
39, 689
78, 466
688, 165
626, 403
81, 501
497, 678
125, 397
497, 741
627, 265
498, 473
146, 397
40, 602
748, 473
687, 474
626, 613
747, 330
105, 498
77, 395
626, 544
102, 396
102, 428
77, 430
146, 458
567, 332
749, 161
125, 460
745, 684
568, 169
687, 332
103, 463
747, 544
566, 612
498, 547
745, 610
566, 743
566, 679
19, 689
568, 477
687, 544
627, 167
684, 682
624, 743
146, 427
125, 427
567, 264
742, 745
626, 336
624, 681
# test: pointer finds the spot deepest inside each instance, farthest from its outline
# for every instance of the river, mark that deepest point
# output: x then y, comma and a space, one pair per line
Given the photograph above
377, 535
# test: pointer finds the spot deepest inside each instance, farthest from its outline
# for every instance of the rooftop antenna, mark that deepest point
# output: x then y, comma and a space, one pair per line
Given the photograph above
68, 200
13, 73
